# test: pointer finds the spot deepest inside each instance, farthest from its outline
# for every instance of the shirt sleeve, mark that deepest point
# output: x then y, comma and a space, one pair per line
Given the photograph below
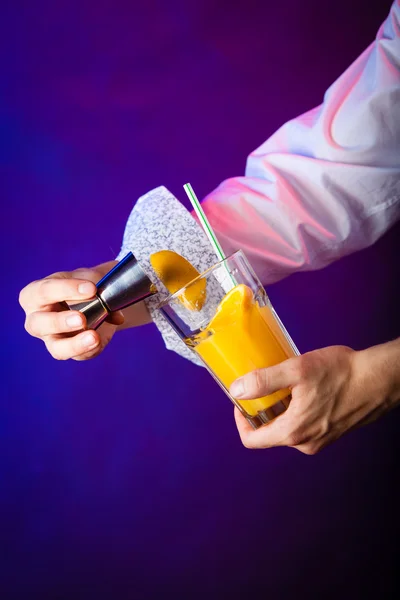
327, 183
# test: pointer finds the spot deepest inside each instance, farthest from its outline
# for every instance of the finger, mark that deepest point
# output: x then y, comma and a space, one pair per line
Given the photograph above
39, 323
73, 347
92, 273
269, 435
88, 355
266, 381
40, 294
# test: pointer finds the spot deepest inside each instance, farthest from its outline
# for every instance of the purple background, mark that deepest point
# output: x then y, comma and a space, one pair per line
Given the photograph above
124, 477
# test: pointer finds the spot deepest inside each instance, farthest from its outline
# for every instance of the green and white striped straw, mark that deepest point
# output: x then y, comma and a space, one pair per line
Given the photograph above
207, 227
204, 221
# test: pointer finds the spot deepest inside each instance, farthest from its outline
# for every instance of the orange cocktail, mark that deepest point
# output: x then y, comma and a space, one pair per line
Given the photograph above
234, 330
243, 336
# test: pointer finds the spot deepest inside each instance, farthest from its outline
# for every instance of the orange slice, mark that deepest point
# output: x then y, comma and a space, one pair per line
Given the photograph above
232, 308
175, 272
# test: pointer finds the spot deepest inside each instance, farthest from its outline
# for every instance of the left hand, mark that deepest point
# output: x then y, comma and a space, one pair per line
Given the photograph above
47, 317
333, 390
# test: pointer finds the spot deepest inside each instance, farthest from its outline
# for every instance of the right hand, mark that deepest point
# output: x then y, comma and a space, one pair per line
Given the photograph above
63, 331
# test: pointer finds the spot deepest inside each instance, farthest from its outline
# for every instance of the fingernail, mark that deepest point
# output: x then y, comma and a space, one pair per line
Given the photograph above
85, 288
88, 340
74, 321
237, 388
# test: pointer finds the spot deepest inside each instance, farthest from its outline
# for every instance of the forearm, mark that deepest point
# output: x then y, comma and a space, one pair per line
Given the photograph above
377, 370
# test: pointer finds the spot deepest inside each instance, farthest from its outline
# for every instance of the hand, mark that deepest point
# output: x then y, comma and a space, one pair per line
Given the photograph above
333, 391
63, 331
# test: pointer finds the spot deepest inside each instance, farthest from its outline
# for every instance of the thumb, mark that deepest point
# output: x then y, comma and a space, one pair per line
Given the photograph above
266, 381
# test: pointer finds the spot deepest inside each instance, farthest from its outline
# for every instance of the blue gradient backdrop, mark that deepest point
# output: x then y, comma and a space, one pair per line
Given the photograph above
124, 477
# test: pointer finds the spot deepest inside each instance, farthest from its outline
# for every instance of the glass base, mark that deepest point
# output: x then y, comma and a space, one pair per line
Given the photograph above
268, 414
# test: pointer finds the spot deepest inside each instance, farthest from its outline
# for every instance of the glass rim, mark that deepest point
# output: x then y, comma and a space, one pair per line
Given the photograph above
192, 281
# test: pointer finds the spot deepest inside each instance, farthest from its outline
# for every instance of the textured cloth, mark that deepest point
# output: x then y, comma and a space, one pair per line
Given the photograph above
159, 221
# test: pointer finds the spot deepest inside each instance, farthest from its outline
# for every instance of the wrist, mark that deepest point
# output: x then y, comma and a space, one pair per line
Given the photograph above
379, 372
134, 315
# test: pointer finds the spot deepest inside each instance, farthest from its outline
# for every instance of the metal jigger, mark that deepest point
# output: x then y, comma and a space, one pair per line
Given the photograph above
124, 285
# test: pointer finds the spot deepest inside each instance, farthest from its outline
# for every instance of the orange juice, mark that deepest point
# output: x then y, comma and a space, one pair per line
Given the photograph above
243, 334
241, 337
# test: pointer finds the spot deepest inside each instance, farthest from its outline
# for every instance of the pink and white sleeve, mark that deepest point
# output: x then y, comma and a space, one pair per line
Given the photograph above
327, 183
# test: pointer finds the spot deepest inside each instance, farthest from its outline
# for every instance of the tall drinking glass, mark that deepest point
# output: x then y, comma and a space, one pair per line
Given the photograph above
226, 318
